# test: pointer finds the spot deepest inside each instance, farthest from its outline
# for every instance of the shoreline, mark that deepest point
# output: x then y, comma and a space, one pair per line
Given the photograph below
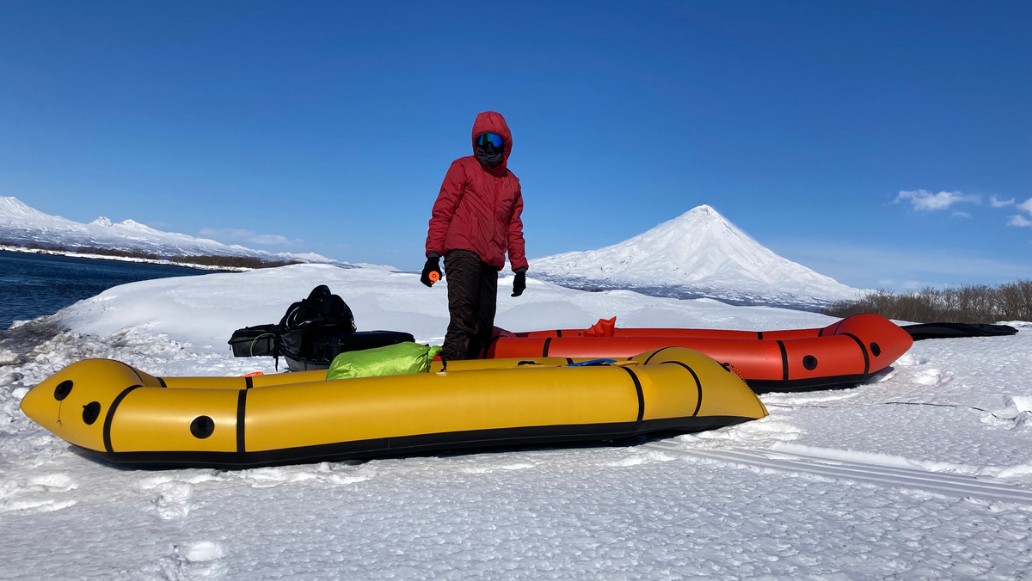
115, 258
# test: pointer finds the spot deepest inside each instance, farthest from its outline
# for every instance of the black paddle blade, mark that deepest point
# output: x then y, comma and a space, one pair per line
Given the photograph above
954, 330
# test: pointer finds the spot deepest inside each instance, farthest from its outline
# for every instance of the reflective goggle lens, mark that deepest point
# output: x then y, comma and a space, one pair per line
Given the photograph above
493, 139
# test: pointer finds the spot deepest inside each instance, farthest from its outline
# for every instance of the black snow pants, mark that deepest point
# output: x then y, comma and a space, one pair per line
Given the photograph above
472, 294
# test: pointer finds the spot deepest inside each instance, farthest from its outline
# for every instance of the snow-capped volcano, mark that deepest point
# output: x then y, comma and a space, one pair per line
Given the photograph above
697, 254
24, 226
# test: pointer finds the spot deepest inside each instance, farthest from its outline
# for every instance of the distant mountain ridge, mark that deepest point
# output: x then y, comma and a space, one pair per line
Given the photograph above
24, 226
698, 254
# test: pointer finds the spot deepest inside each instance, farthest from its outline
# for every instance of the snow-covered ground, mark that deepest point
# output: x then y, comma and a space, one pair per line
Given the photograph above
925, 474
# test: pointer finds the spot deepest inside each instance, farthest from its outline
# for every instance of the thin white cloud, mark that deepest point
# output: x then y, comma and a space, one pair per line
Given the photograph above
925, 201
272, 240
1019, 221
230, 233
896, 268
244, 236
996, 202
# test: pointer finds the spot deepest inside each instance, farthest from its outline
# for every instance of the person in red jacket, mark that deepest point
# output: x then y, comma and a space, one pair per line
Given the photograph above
474, 223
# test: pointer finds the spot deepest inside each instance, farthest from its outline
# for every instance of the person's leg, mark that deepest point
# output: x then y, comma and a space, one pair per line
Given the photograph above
462, 273
488, 293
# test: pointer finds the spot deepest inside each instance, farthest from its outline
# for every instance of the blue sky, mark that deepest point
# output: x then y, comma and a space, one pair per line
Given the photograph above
885, 144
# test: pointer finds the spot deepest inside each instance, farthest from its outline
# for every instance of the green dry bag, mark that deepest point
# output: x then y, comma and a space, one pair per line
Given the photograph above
398, 359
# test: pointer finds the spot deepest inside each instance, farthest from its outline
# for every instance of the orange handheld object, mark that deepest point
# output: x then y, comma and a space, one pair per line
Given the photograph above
434, 276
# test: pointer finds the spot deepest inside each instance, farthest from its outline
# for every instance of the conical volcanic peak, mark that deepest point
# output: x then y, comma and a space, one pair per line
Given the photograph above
699, 253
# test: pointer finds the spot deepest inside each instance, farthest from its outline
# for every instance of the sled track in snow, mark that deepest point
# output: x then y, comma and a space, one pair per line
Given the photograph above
858, 471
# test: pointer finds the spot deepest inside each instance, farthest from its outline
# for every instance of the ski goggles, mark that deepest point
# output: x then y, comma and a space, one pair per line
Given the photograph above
492, 139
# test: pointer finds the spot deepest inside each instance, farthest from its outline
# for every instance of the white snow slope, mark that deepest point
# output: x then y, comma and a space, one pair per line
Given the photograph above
23, 225
699, 252
924, 474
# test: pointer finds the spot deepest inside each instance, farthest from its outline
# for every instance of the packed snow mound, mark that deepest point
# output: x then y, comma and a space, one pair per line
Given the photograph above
699, 253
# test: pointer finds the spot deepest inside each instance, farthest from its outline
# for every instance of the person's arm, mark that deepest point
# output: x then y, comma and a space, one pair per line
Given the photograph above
517, 246
444, 208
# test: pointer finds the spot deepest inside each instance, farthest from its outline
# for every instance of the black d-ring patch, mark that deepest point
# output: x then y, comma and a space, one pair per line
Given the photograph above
90, 412
63, 389
810, 362
202, 427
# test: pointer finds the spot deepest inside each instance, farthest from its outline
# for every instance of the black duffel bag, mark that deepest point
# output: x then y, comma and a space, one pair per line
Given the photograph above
257, 341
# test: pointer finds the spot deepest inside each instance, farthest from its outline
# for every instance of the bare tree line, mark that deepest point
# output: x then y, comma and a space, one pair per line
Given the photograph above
967, 304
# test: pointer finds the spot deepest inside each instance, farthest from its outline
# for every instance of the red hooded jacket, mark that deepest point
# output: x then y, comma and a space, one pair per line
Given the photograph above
478, 208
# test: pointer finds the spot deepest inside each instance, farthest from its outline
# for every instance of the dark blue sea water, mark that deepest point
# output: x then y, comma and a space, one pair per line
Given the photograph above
33, 285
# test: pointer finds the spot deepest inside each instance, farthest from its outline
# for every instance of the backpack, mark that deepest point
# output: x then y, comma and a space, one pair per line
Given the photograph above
311, 333
322, 313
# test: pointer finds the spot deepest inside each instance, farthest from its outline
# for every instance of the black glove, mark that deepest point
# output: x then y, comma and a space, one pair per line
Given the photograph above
431, 270
519, 284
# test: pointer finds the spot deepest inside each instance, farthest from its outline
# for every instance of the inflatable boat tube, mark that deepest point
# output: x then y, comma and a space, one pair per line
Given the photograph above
124, 415
845, 353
